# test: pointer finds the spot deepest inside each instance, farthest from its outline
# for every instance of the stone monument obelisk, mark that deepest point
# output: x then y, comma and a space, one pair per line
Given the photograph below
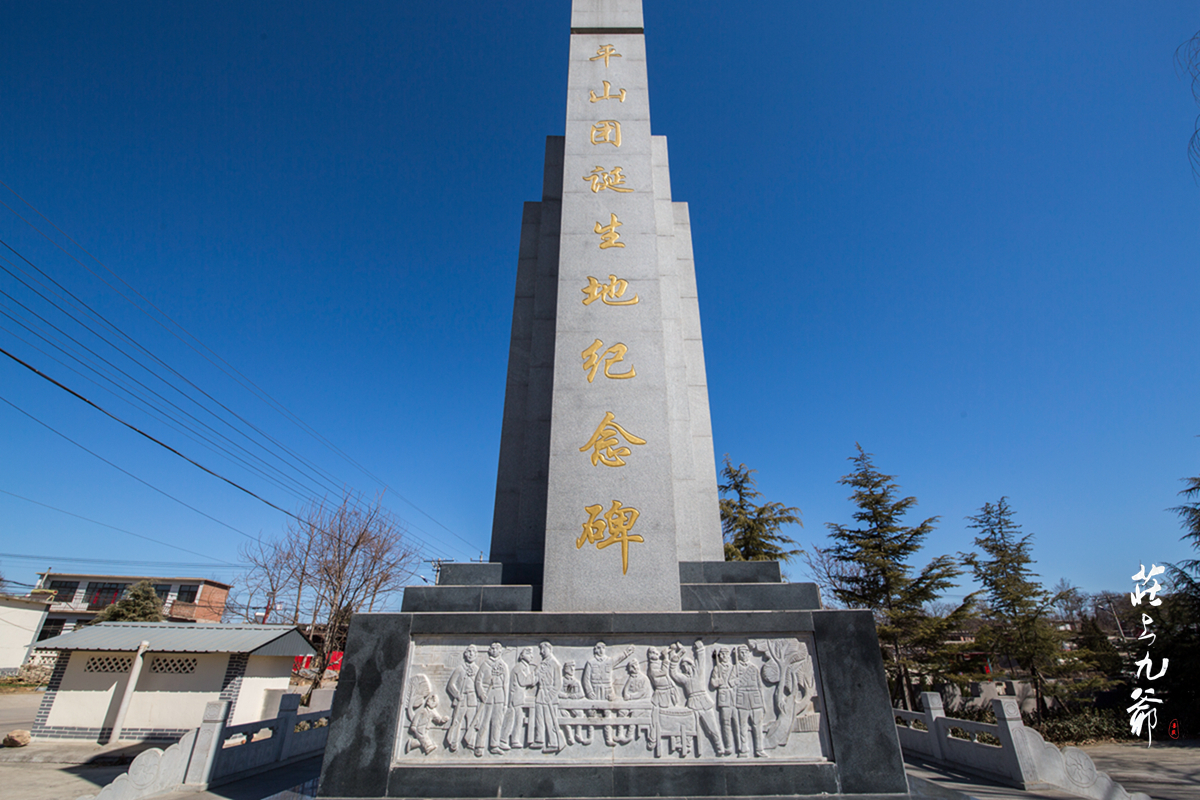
606, 477
607, 649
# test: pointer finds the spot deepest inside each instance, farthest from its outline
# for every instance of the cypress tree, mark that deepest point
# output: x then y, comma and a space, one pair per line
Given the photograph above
752, 531
880, 577
1017, 624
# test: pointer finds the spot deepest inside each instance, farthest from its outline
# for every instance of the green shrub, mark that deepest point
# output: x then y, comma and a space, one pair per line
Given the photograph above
1084, 726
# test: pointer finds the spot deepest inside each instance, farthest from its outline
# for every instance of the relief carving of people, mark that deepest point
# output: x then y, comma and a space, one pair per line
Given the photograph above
491, 683
572, 689
637, 687
463, 700
536, 702
422, 712
664, 692
598, 685
545, 709
724, 680
747, 697
520, 686
689, 674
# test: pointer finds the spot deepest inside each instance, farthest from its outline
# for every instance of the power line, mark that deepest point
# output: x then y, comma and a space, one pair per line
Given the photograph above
228, 368
239, 377
139, 364
119, 562
168, 447
125, 471
153, 413
115, 528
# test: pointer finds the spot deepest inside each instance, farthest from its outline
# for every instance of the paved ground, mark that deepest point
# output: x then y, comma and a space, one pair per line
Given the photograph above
1167, 770
17, 710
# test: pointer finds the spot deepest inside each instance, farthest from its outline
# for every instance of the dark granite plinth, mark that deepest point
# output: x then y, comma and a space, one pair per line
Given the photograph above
863, 751
470, 573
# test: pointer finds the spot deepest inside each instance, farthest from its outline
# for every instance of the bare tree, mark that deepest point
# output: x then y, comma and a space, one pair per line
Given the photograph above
829, 573
333, 561
1187, 62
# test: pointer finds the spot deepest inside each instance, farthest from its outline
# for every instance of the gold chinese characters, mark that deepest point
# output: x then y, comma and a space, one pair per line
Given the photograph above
602, 180
592, 357
607, 96
617, 522
607, 293
607, 131
606, 52
606, 447
608, 233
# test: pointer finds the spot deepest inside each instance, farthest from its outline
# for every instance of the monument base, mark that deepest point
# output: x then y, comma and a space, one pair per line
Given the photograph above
752, 690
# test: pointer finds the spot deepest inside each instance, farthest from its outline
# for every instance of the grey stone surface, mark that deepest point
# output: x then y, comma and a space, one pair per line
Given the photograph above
611, 698
519, 520
506, 598
417, 653
722, 571
362, 731
707, 596
776, 596
657, 477
865, 745
555, 504
441, 598
470, 573
606, 14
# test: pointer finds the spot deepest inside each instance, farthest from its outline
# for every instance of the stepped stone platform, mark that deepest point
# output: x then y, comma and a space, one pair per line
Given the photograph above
843, 741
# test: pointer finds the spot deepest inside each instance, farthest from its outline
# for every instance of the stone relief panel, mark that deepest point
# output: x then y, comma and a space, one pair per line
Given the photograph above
531, 700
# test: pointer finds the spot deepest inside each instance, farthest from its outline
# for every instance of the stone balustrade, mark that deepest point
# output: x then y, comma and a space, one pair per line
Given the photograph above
1022, 758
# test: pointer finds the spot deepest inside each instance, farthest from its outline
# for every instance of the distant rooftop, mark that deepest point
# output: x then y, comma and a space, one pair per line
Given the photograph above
167, 637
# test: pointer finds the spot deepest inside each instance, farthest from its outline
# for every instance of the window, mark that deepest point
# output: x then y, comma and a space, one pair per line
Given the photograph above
64, 591
187, 593
51, 627
179, 665
163, 590
102, 595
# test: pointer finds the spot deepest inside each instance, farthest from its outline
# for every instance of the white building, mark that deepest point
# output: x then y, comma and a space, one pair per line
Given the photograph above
151, 680
21, 620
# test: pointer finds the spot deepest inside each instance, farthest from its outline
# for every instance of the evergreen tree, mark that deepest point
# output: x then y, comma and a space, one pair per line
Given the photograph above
752, 531
1177, 620
140, 604
880, 578
1017, 624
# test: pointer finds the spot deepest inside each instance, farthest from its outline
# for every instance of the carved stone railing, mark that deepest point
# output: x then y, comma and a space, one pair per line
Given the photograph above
217, 753
1022, 758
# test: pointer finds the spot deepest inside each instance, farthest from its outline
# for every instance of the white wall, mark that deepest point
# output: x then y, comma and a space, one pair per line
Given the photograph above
262, 674
88, 699
161, 700
175, 700
20, 621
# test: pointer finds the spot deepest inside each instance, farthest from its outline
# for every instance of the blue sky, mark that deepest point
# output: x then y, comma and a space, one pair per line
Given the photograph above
962, 235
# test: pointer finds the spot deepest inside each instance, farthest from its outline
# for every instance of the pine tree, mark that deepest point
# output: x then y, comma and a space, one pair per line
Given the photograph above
751, 531
1017, 624
140, 604
1177, 620
881, 579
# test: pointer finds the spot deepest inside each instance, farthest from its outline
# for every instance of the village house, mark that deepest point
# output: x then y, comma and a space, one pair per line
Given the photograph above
21, 621
138, 681
78, 597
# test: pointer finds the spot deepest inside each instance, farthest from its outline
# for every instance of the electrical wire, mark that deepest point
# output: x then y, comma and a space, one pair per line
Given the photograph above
111, 527
228, 368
